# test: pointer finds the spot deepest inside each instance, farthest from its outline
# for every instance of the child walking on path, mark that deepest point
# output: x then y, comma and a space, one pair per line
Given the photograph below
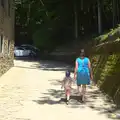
66, 83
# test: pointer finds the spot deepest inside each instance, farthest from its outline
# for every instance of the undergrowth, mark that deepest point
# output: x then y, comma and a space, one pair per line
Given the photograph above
106, 63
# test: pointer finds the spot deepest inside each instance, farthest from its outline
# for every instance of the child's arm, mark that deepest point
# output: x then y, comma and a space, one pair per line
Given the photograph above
71, 81
71, 87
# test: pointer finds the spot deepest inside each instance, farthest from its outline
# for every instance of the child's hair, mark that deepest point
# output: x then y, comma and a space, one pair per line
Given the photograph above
67, 74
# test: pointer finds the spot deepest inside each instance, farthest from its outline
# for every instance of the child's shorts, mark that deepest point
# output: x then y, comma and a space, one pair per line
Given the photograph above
67, 91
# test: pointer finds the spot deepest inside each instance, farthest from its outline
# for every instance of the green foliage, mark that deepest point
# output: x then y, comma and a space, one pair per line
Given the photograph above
106, 72
112, 35
43, 19
34, 15
106, 65
43, 37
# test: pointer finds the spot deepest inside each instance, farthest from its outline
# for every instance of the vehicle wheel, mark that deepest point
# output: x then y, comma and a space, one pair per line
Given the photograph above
32, 55
15, 55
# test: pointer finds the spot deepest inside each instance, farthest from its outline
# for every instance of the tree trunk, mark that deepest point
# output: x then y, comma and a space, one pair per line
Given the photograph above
81, 4
28, 14
76, 20
114, 13
99, 17
118, 11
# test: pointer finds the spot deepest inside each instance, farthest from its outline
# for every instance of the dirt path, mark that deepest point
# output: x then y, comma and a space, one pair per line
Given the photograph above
31, 91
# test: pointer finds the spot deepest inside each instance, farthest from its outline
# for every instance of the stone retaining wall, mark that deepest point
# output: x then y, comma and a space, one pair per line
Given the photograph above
7, 57
7, 14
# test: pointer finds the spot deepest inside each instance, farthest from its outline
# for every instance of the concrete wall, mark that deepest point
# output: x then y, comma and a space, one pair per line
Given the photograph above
7, 30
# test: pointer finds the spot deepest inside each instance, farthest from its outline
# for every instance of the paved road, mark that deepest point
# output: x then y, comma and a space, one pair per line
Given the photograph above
31, 91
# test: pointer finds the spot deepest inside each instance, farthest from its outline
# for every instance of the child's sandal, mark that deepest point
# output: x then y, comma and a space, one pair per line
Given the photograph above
67, 102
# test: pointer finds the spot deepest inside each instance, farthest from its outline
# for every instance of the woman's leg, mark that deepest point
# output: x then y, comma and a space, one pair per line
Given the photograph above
79, 89
83, 92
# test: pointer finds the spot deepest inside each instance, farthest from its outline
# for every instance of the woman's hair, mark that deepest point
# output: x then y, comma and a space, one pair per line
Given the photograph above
82, 53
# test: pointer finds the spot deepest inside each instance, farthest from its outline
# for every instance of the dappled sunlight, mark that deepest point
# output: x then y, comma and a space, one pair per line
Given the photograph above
95, 99
109, 67
106, 63
110, 76
106, 72
98, 66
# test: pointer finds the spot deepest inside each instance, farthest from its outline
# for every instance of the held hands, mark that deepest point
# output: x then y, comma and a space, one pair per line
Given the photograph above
74, 76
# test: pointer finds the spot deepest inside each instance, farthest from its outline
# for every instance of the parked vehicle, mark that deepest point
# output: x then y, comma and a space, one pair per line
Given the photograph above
23, 52
30, 47
33, 48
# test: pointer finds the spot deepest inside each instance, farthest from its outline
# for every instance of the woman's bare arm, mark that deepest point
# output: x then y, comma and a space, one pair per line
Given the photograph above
75, 70
90, 68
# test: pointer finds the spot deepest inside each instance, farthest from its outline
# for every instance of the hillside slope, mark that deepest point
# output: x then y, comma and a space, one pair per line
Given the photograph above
104, 52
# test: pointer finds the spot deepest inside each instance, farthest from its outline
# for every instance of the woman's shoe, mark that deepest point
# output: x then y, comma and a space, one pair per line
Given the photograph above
80, 98
83, 99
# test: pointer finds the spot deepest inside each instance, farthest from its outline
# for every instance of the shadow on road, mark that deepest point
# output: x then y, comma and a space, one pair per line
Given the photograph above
95, 99
54, 66
47, 100
46, 65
